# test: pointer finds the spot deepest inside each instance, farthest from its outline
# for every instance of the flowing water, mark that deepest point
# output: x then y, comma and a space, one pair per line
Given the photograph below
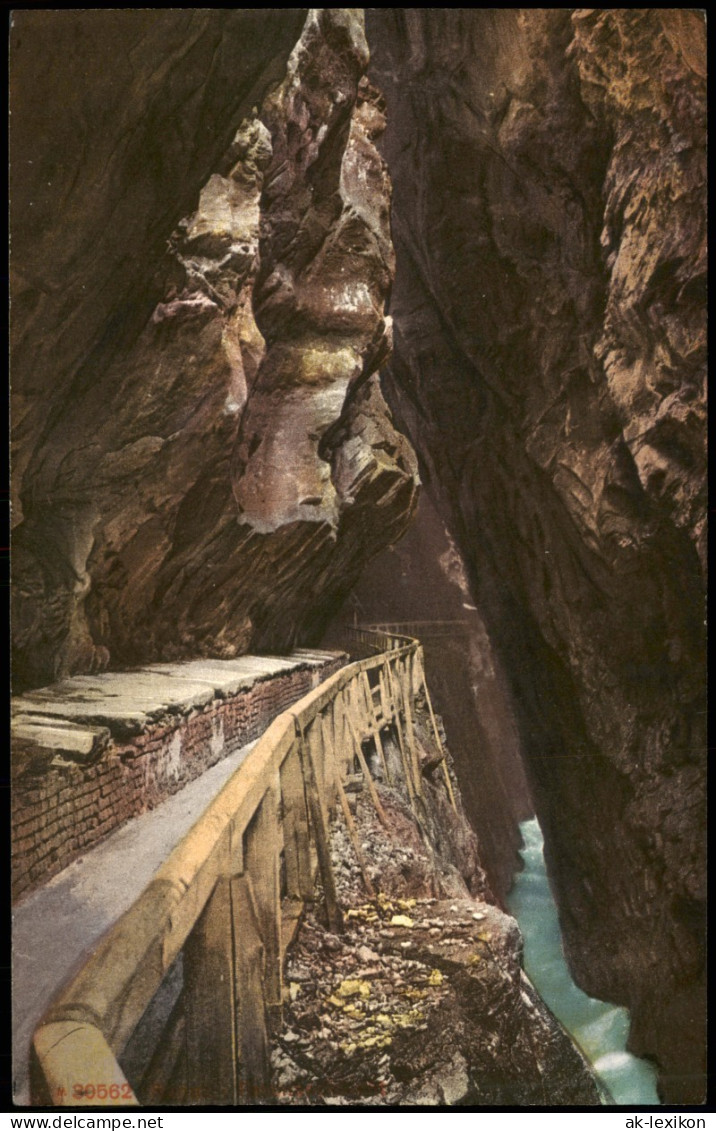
599, 1029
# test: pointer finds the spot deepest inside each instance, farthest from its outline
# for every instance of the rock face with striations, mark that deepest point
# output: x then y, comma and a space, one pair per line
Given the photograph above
201, 255
548, 218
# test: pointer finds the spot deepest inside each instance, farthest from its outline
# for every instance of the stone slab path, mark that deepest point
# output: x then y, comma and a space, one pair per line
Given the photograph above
125, 703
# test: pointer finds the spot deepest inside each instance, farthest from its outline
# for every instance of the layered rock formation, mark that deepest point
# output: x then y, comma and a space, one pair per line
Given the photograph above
197, 465
548, 170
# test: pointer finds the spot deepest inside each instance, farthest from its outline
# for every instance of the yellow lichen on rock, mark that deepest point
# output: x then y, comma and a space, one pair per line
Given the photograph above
353, 987
401, 921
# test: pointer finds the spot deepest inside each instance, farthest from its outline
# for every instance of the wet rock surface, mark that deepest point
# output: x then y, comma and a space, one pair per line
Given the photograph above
421, 1000
549, 223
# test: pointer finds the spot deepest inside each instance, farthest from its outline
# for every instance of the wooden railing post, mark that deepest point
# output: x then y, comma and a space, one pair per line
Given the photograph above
296, 842
252, 1042
342, 749
218, 896
339, 768
319, 822
210, 997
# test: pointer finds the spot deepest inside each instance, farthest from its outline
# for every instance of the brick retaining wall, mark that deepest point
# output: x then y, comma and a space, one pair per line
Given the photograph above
62, 806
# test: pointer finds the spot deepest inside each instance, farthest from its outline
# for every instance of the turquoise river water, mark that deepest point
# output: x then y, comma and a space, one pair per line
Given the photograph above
599, 1029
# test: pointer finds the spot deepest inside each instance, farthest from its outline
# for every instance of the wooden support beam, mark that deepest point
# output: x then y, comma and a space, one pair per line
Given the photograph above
355, 840
366, 773
383, 696
319, 824
374, 728
314, 743
62, 1052
367, 700
330, 769
292, 913
296, 842
263, 844
408, 771
391, 681
381, 752
347, 740
406, 691
438, 740
313, 740
414, 786
339, 770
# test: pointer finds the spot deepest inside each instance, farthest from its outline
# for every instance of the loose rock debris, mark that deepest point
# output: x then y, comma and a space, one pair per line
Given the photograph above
421, 1000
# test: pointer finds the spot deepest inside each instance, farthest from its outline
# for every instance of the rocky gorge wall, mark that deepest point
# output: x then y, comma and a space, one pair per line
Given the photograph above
548, 218
200, 444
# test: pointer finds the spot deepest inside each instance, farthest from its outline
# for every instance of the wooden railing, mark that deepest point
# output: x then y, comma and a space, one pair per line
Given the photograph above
417, 628
372, 638
224, 906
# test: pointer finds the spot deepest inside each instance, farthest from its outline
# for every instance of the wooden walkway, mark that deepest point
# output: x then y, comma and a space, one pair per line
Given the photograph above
225, 904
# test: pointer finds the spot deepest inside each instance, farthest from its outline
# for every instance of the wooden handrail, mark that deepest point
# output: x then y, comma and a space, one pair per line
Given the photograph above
217, 896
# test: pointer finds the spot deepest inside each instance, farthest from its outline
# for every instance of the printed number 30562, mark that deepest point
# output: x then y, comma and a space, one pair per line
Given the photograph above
102, 1091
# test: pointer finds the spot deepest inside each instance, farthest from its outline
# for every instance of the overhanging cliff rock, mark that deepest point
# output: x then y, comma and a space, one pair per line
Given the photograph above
201, 448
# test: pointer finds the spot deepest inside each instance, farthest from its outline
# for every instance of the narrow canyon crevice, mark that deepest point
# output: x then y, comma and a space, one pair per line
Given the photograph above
271, 269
